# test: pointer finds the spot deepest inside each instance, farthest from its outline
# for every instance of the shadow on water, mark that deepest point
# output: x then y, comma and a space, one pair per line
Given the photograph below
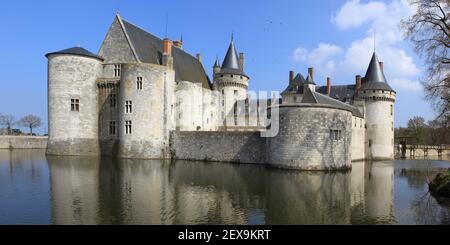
90, 190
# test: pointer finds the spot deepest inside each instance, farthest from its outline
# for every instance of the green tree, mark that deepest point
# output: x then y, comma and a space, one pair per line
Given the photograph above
418, 129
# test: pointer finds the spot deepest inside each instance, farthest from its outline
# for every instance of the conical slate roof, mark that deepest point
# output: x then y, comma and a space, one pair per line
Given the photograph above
230, 64
231, 60
76, 51
374, 72
216, 64
374, 78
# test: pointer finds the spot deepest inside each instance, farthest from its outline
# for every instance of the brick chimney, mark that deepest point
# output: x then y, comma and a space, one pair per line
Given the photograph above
241, 61
311, 73
167, 58
291, 76
358, 82
328, 86
381, 66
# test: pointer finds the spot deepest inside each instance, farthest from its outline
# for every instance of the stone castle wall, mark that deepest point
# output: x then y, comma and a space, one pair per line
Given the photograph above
239, 147
23, 142
149, 116
306, 140
73, 132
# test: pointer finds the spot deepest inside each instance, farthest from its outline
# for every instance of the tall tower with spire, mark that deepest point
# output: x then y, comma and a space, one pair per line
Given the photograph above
230, 81
378, 99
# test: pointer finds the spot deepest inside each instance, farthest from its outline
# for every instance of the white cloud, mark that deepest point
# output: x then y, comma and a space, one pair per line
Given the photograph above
300, 54
405, 84
320, 57
344, 63
354, 14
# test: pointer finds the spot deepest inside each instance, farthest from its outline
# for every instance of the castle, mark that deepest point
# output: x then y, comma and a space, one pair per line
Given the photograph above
143, 97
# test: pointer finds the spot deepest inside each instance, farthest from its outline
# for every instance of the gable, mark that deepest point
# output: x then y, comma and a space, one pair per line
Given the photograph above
115, 47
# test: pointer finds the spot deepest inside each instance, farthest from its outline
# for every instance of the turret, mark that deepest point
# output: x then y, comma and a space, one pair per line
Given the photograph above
72, 102
378, 99
230, 80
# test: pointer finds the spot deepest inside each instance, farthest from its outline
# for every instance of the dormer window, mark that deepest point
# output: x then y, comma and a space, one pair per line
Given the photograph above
117, 69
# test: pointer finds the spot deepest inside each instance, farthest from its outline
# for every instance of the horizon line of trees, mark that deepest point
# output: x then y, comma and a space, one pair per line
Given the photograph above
418, 131
29, 121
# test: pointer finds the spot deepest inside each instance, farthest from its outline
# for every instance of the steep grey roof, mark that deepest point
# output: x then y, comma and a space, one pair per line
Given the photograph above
339, 92
374, 78
376, 86
231, 60
317, 98
295, 85
230, 64
76, 51
149, 49
309, 80
216, 64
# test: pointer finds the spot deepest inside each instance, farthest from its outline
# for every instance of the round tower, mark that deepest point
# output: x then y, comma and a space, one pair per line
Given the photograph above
378, 99
230, 81
72, 102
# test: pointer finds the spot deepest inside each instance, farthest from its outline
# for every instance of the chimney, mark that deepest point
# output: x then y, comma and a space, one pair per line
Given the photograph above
199, 57
167, 46
167, 58
291, 76
328, 86
241, 61
381, 66
311, 73
178, 44
358, 82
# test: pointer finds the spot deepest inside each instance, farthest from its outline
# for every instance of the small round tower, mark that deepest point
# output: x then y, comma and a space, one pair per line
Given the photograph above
72, 102
378, 99
230, 81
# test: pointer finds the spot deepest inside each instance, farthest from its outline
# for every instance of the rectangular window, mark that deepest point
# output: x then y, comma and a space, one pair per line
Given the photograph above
112, 100
112, 127
127, 127
335, 135
128, 106
223, 92
117, 69
235, 92
74, 104
392, 110
139, 83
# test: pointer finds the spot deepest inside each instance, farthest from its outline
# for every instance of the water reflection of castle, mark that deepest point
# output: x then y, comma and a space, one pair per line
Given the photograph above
86, 191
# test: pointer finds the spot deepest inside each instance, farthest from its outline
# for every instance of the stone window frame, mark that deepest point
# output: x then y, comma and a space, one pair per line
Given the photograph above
139, 83
112, 100
128, 106
128, 127
75, 105
112, 128
336, 135
117, 70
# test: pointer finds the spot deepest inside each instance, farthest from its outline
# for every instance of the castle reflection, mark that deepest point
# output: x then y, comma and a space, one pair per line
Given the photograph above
123, 191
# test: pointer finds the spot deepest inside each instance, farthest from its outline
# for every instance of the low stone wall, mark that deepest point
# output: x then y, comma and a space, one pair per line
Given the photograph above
23, 142
240, 147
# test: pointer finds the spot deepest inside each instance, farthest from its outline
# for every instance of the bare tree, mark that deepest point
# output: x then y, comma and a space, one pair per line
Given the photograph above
429, 30
30, 122
8, 122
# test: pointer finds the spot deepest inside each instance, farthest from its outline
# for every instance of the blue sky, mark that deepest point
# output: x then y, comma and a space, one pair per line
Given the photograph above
335, 37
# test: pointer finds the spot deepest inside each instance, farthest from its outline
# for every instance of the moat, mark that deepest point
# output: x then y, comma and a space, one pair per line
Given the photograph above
40, 189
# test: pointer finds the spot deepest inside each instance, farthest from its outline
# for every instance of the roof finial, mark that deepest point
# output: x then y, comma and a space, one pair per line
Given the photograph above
232, 36
181, 38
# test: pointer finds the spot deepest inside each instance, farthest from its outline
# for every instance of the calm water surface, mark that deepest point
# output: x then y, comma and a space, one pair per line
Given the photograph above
39, 189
